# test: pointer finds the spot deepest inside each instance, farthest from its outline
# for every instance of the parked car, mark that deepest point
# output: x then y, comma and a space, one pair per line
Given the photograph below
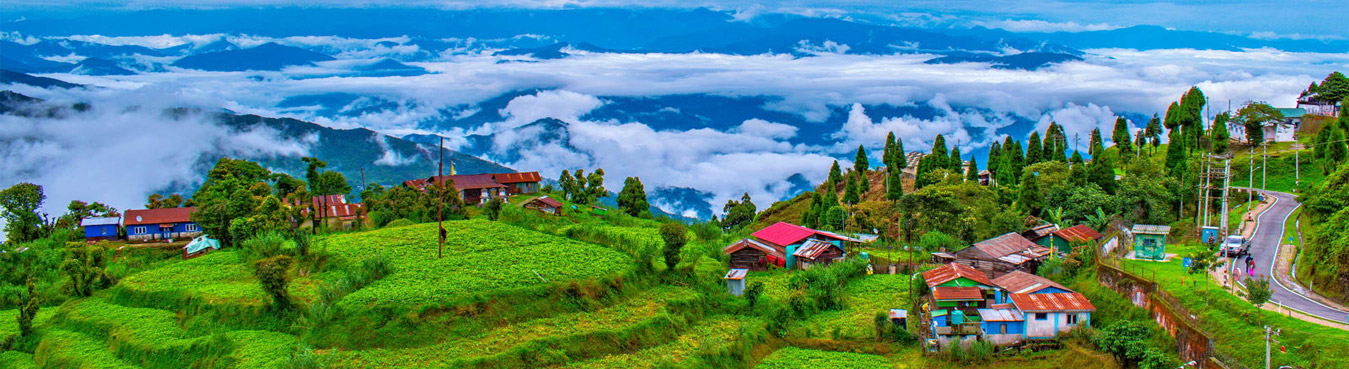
1236, 246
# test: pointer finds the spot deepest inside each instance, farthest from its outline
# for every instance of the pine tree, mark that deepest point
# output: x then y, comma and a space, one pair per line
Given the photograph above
860, 164
993, 156
888, 155
1154, 131
1218, 135
955, 163
1034, 149
901, 161
1018, 161
835, 174
1094, 144
1122, 140
972, 173
939, 152
895, 183
1102, 172
851, 196
632, 199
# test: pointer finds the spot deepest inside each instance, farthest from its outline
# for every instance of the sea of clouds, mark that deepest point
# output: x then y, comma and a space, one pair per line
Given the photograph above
119, 157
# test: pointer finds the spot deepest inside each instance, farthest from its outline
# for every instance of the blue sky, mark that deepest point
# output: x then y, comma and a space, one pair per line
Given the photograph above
1266, 19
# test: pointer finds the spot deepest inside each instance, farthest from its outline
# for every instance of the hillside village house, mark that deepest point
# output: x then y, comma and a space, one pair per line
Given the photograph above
1314, 106
164, 223
1003, 254
1039, 234
787, 245
544, 204
336, 211
96, 229
1275, 131
1150, 241
963, 305
1062, 240
476, 189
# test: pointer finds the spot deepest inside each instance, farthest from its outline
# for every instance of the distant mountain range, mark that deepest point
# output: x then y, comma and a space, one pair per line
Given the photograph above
268, 56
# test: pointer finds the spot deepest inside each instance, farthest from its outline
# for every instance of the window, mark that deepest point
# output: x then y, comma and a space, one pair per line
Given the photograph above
1041, 316
191, 227
1002, 328
138, 230
1072, 319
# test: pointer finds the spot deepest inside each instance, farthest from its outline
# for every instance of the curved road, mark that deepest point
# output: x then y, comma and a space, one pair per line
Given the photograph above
1264, 246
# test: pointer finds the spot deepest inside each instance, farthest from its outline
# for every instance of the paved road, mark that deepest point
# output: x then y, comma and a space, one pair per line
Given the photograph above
1264, 245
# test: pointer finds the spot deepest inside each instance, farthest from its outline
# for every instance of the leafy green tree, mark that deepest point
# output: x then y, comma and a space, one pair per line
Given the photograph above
1253, 117
1101, 172
1154, 131
993, 155
566, 182
1192, 107
939, 153
1143, 193
739, 213
226, 196
595, 186
84, 265
1175, 154
578, 187
493, 208
1121, 139
1218, 134
1128, 341
1140, 142
1034, 149
1017, 160
632, 199
21, 202
271, 274
1056, 143
1204, 259
1029, 193
675, 236
1334, 88
894, 183
835, 174
78, 210
155, 201
1257, 290
832, 220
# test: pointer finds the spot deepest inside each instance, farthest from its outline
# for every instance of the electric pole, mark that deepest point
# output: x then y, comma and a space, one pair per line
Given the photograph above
440, 199
360, 216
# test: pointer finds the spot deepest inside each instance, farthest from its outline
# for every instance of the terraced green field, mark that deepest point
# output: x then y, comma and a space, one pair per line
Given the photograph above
481, 258
863, 298
711, 336
792, 358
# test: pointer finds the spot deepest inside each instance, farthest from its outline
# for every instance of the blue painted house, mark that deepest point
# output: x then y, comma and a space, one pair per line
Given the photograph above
159, 224
96, 229
1047, 309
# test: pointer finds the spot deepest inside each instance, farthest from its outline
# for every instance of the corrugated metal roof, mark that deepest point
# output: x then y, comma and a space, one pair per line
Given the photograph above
1078, 233
521, 177
461, 182
736, 274
1009, 244
548, 201
899, 314
1052, 302
952, 271
159, 216
957, 293
1001, 315
752, 243
1022, 282
1150, 229
783, 234
86, 222
1039, 231
813, 249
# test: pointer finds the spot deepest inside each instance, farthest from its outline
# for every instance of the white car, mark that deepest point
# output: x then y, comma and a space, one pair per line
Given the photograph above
1235, 246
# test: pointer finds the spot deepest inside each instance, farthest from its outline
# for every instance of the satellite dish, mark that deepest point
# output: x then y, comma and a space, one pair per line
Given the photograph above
138, 218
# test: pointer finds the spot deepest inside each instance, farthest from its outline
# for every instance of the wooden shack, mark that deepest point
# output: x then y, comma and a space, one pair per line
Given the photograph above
752, 254
1003, 254
545, 204
817, 252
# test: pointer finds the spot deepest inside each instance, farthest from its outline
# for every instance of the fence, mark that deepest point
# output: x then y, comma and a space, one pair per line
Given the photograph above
1193, 342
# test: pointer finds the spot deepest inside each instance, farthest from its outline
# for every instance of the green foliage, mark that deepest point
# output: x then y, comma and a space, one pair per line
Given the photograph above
753, 292
493, 208
28, 309
835, 174
1120, 138
850, 193
1095, 146
1253, 116
632, 199
860, 164
84, 264
1154, 131
738, 213
1257, 290
23, 222
1034, 149
1128, 341
1218, 134
271, 274
972, 173
792, 358
674, 236
263, 246
1204, 259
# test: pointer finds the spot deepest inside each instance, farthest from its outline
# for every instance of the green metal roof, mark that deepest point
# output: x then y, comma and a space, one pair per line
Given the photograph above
1292, 112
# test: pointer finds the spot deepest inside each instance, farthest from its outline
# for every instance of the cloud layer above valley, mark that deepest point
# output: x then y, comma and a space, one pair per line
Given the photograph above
974, 104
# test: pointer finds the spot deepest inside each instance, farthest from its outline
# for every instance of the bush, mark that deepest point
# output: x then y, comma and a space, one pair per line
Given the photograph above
675, 236
263, 246
493, 208
271, 273
753, 291
1257, 290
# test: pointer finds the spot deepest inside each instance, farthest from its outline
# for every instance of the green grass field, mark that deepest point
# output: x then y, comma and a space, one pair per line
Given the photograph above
864, 298
792, 357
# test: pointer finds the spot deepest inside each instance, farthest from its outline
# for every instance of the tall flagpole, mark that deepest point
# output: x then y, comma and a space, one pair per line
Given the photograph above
440, 200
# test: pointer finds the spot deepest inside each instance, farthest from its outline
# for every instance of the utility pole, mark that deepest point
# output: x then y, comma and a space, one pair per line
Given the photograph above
1250, 180
360, 219
1264, 164
440, 199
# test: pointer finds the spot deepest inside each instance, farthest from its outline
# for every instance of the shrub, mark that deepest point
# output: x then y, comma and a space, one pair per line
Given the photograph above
1257, 290
753, 291
28, 310
271, 273
675, 236
263, 246
493, 208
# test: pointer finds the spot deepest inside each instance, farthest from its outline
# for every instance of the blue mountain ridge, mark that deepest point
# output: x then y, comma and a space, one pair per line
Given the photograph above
266, 57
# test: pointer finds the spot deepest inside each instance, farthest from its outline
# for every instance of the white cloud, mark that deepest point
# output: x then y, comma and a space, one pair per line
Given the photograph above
1078, 121
391, 157
560, 104
119, 155
1036, 25
763, 128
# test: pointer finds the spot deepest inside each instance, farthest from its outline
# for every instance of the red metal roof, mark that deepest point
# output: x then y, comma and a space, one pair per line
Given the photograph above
158, 216
957, 293
548, 201
951, 272
1052, 302
1078, 233
461, 182
1009, 244
1022, 282
521, 177
337, 207
1039, 231
783, 234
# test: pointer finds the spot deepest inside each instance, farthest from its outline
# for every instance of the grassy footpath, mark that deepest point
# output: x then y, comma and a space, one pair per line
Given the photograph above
1236, 324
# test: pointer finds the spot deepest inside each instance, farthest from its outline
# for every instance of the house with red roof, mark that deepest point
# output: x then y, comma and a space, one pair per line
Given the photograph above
787, 245
1003, 254
336, 211
545, 204
1062, 240
476, 189
160, 224
964, 305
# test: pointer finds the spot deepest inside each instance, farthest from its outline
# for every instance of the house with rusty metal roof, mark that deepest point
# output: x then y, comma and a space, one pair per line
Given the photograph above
955, 294
1063, 240
1049, 314
964, 305
477, 189
1037, 234
162, 223
784, 244
544, 204
336, 211
1003, 254
518, 183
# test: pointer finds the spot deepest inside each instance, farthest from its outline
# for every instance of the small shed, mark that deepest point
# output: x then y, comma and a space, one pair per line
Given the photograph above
735, 281
820, 252
749, 253
199, 246
545, 204
1150, 241
1062, 240
96, 229
899, 317
1210, 234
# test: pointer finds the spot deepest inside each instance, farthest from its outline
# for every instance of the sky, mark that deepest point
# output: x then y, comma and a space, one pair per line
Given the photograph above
1260, 18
